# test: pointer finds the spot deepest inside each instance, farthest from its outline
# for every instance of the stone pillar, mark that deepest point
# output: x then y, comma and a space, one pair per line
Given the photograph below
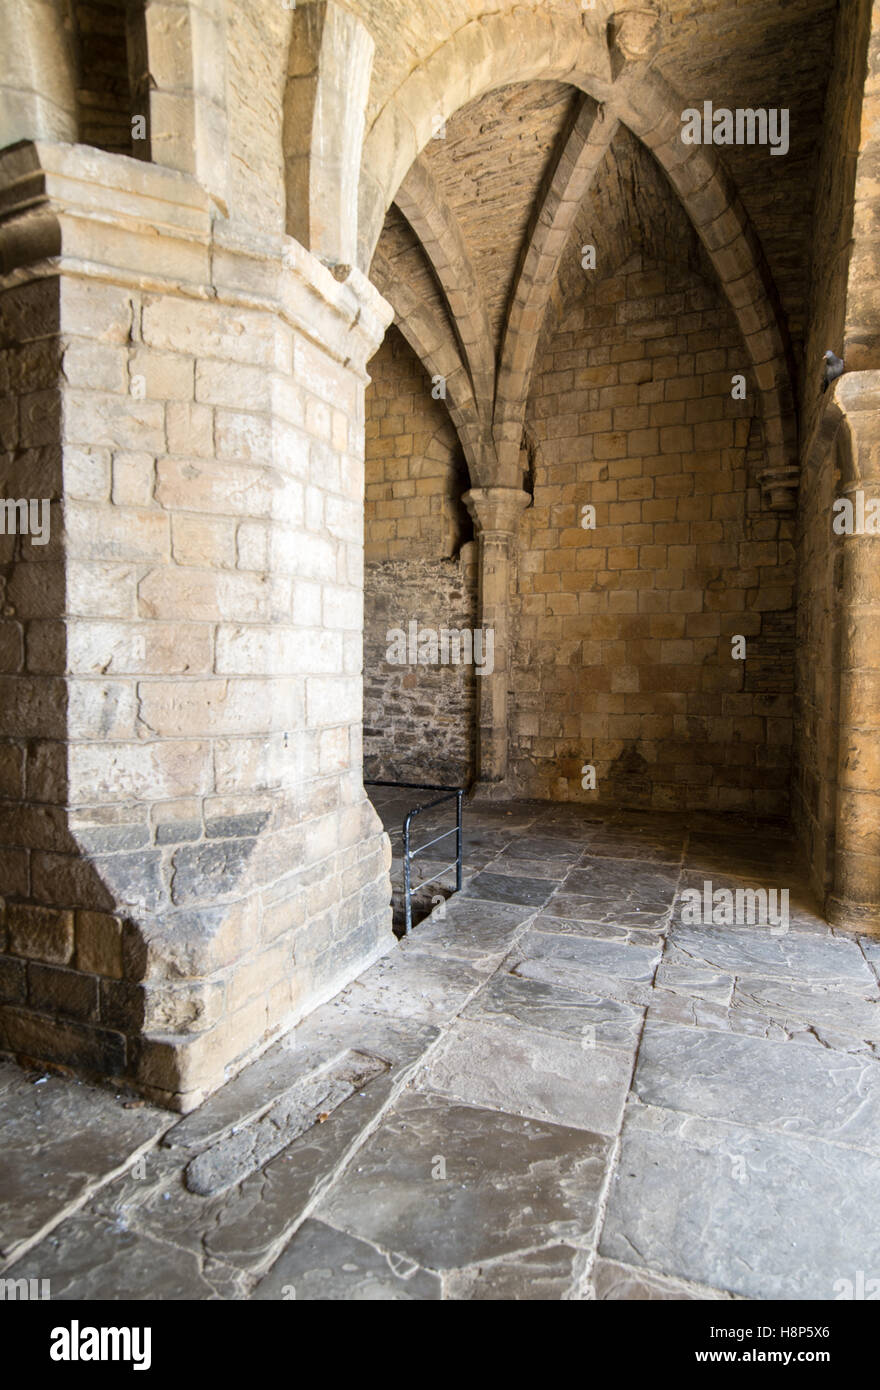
854, 901
496, 512
188, 859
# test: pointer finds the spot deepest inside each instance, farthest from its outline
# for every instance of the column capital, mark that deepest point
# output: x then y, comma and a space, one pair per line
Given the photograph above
496, 509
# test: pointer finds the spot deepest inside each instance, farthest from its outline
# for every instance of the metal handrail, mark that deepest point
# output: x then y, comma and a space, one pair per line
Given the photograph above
409, 854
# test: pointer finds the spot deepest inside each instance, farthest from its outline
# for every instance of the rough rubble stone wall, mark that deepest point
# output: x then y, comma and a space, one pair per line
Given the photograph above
418, 720
623, 634
194, 862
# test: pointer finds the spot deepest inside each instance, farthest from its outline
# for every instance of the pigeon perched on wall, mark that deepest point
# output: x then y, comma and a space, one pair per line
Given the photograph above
833, 369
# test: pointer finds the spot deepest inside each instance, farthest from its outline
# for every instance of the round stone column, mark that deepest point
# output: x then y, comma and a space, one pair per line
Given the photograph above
496, 512
854, 901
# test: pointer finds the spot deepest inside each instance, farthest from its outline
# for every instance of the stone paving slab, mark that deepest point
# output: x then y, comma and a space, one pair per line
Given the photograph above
700, 981
553, 869
617, 880
648, 846
823, 1009
740, 1209
479, 932
415, 984
556, 847
518, 815
312, 1101
717, 854
556, 1009
614, 1283
89, 1257
803, 912
551, 1274
319, 1041
798, 957
580, 977
321, 1263
634, 913
511, 1185
645, 935
509, 888
522, 1070
870, 946
612, 958
693, 1012
60, 1139
769, 1085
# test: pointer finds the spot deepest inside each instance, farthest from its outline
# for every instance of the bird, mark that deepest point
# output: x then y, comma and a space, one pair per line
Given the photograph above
833, 369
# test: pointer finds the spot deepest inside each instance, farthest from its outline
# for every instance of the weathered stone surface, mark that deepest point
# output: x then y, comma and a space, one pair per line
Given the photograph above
612, 958
553, 869
647, 844
701, 983
604, 878
321, 1263
526, 1072
550, 1274
824, 1009
245, 1097
871, 947
772, 1085
570, 974
649, 933
92, 1258
475, 931
618, 907
794, 956
611, 1282
61, 1139
413, 983
720, 856
678, 1205
248, 1224
509, 888
511, 1184
566, 1013
312, 1101
535, 846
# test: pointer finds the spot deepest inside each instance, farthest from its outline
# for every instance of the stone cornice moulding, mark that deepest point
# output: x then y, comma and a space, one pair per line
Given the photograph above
59, 203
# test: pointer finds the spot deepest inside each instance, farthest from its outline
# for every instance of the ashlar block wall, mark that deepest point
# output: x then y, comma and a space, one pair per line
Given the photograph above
190, 861
623, 633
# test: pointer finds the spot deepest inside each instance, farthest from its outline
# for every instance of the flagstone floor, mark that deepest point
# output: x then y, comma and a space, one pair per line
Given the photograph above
553, 1089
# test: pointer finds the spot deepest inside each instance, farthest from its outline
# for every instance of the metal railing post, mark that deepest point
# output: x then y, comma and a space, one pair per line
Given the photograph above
460, 794
407, 885
409, 853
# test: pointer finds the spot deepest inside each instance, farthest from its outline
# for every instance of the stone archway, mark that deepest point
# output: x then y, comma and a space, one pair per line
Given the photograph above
496, 51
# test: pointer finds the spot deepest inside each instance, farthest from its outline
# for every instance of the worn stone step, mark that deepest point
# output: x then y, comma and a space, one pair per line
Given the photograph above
311, 1101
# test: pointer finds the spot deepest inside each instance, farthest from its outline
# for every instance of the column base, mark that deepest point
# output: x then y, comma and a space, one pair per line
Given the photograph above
846, 915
